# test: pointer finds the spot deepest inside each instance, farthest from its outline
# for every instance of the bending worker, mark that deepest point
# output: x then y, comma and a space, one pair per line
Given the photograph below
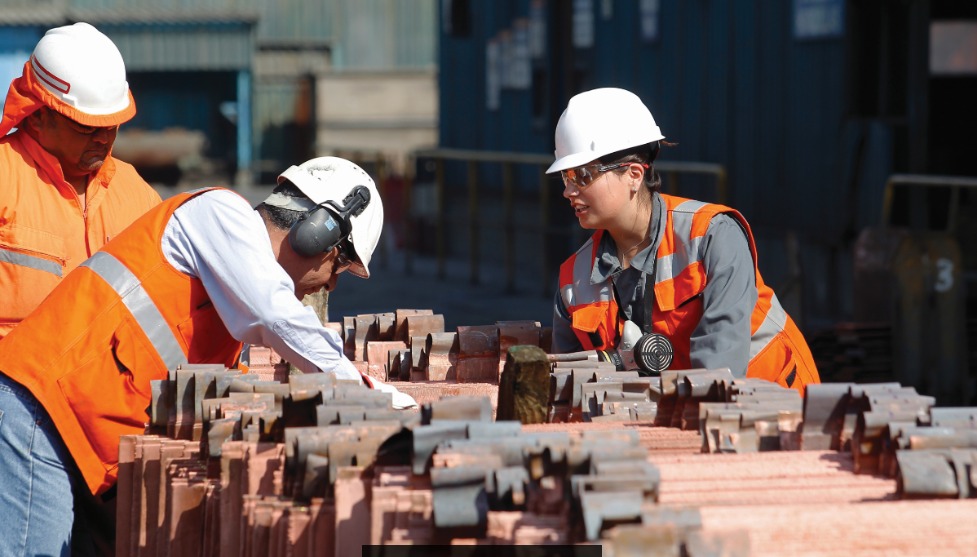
660, 267
62, 194
186, 283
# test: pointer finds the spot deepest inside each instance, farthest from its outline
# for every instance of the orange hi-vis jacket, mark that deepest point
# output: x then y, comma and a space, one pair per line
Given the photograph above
778, 351
44, 233
123, 318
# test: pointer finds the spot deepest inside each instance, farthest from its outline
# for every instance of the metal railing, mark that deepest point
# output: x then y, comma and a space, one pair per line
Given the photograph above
955, 183
544, 227
671, 172
930, 338
507, 161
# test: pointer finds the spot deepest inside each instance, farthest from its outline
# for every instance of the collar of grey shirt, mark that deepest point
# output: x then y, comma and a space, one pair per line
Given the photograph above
607, 264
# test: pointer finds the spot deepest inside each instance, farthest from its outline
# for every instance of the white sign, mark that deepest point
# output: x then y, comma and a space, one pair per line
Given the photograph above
649, 12
537, 29
953, 48
819, 19
583, 23
521, 73
492, 77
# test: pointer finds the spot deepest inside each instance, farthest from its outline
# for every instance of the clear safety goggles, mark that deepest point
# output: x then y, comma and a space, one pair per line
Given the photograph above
583, 176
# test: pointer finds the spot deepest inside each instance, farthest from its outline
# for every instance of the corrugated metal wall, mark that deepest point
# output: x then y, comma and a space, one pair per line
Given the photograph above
204, 46
291, 20
384, 34
466, 121
364, 34
725, 79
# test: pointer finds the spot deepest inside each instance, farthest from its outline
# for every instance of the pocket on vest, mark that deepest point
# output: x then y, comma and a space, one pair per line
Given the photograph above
109, 393
776, 363
207, 338
590, 321
32, 263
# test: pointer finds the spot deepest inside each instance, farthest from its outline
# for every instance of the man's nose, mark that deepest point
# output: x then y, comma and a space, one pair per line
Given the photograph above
329, 286
103, 135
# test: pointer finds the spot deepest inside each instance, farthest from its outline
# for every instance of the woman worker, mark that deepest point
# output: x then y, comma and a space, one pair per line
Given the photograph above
660, 267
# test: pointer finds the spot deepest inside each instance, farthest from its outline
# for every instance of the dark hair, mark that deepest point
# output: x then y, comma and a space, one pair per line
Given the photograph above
282, 218
644, 154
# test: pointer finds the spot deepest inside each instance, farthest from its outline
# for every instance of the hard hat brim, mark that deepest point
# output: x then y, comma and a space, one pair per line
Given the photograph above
97, 120
581, 158
115, 116
360, 270
571, 161
26, 96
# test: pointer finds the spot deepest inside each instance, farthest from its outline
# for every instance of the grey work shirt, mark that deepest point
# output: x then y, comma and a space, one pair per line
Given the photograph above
722, 336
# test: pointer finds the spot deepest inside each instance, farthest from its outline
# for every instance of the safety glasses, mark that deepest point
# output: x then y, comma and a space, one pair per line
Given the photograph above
342, 262
583, 176
81, 129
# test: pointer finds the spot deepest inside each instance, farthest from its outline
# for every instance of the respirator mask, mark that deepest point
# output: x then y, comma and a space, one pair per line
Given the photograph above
650, 353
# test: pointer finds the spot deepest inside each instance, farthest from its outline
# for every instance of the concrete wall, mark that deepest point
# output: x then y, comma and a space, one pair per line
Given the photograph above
391, 113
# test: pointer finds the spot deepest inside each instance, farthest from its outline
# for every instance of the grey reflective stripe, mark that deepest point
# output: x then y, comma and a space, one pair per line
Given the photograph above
686, 249
36, 263
135, 297
689, 206
773, 323
580, 291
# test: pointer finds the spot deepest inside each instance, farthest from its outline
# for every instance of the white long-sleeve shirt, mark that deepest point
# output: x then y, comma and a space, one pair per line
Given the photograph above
218, 238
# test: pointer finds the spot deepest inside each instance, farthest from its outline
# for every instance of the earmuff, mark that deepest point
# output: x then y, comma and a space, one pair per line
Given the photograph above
326, 225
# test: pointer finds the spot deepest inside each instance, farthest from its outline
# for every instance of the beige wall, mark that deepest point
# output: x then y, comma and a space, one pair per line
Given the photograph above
391, 113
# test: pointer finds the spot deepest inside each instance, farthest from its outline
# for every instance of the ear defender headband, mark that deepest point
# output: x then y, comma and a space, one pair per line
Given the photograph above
326, 225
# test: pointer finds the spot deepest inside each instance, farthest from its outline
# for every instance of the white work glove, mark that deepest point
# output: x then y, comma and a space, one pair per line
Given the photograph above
401, 401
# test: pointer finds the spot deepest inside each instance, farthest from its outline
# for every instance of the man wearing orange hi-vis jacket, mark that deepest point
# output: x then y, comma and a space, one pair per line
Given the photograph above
62, 194
188, 282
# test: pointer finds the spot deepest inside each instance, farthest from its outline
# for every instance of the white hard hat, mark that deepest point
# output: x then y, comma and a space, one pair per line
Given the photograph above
82, 70
333, 179
599, 122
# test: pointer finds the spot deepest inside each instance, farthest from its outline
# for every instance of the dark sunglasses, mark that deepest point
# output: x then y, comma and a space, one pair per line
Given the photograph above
343, 259
342, 262
583, 176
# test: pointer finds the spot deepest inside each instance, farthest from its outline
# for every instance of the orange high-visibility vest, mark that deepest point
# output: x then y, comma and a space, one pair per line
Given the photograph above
123, 318
44, 233
778, 351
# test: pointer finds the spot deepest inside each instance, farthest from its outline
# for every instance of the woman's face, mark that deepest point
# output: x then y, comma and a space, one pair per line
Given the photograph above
601, 194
